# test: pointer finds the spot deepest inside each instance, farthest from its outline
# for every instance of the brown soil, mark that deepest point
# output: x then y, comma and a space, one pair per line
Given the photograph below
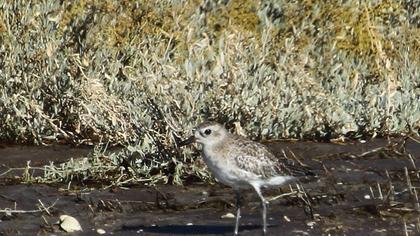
342, 198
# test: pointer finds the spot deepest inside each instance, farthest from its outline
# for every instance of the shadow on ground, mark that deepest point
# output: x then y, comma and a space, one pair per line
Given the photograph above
188, 229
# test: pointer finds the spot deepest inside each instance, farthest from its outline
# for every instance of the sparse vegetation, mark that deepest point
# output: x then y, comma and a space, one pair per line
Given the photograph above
141, 74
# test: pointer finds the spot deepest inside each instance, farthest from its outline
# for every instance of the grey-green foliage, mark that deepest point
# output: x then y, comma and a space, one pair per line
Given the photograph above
141, 74
39, 91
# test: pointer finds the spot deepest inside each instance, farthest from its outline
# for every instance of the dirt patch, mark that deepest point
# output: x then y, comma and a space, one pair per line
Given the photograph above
363, 189
18, 155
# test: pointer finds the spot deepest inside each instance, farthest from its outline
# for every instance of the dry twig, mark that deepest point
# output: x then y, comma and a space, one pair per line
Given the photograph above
41, 209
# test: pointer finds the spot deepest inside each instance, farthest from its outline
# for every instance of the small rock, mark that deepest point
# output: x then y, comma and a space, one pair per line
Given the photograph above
311, 224
100, 231
69, 224
228, 216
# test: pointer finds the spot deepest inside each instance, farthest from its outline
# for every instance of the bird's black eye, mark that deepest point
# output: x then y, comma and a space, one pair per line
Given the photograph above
207, 132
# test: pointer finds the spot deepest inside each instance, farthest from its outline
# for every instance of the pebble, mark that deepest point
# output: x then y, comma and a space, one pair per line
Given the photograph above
69, 224
311, 224
228, 216
100, 231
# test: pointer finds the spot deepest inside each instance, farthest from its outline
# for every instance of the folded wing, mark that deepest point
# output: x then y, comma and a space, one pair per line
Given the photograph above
257, 159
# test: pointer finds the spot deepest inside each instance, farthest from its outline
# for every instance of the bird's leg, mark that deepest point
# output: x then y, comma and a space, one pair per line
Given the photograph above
264, 207
264, 215
238, 210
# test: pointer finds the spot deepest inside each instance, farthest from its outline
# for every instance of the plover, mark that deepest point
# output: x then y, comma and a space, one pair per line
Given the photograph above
242, 163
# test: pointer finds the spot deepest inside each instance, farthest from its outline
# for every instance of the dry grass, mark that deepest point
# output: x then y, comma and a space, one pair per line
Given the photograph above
140, 74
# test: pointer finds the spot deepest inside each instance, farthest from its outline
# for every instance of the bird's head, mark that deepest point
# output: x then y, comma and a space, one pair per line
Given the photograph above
207, 133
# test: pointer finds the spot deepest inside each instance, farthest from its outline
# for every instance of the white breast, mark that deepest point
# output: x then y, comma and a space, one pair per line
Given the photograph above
224, 171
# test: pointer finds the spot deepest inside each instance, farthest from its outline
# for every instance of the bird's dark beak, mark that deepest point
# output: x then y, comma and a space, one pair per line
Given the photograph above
187, 141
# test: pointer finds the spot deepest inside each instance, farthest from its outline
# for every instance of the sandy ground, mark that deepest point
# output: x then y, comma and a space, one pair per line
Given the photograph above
345, 199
